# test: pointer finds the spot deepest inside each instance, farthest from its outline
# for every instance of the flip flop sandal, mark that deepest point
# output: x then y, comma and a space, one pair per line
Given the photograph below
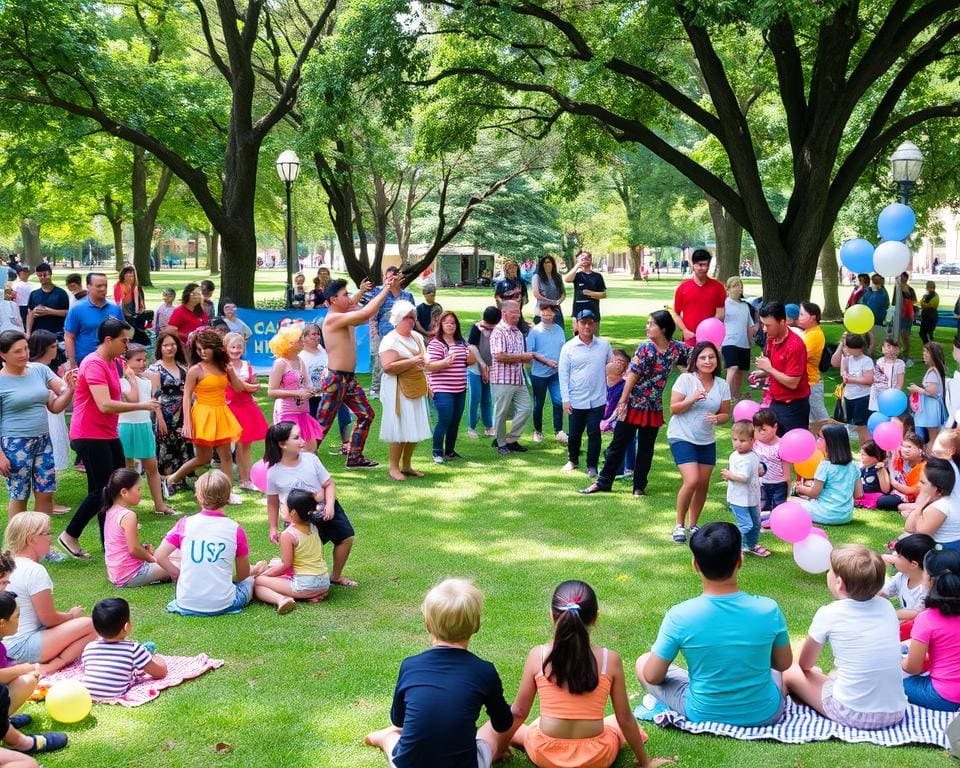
344, 582
47, 742
166, 512
79, 554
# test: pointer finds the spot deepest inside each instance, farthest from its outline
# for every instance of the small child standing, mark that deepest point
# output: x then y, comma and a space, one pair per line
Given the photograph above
908, 584
244, 407
440, 692
857, 376
776, 477
161, 318
865, 689
888, 372
931, 411
743, 487
216, 578
111, 662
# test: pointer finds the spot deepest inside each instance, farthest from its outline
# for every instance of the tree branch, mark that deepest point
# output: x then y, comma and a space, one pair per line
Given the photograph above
212, 51
782, 43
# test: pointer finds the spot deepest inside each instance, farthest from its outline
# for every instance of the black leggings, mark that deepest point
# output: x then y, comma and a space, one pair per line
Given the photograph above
623, 433
100, 458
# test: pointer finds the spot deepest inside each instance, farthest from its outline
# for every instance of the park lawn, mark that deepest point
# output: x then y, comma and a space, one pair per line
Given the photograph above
303, 689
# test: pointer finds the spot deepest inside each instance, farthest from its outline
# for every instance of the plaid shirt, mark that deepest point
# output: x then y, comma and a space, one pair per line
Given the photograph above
508, 339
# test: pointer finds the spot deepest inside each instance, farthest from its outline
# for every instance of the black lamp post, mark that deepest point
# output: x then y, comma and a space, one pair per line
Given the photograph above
906, 163
288, 168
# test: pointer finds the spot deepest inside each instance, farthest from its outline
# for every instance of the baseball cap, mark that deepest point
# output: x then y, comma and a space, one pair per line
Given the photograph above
585, 314
792, 311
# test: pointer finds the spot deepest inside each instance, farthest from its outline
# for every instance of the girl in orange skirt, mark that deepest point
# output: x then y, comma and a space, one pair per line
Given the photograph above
208, 422
574, 680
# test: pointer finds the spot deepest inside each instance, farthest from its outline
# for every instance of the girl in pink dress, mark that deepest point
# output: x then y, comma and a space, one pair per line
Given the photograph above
290, 385
244, 407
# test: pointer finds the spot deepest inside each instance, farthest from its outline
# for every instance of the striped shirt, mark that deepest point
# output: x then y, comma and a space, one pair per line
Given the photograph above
509, 340
454, 378
108, 667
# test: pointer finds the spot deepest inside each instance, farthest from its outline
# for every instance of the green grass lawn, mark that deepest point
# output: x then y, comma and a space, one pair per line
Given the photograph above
303, 689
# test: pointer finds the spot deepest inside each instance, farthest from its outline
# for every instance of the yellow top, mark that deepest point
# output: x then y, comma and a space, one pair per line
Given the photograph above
308, 553
815, 341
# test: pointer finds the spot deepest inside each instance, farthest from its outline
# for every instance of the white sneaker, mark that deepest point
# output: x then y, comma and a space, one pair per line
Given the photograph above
235, 500
472, 433
569, 467
538, 437
680, 534
562, 437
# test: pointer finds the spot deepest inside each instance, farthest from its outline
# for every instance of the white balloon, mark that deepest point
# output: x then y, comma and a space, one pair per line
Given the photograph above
813, 554
891, 257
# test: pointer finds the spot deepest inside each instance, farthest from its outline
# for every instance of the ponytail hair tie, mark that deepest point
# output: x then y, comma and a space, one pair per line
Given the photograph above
571, 607
938, 547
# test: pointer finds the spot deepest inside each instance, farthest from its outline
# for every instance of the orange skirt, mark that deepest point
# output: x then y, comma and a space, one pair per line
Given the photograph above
595, 752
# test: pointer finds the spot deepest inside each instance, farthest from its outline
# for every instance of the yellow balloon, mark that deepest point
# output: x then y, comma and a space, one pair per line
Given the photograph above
858, 319
807, 468
68, 701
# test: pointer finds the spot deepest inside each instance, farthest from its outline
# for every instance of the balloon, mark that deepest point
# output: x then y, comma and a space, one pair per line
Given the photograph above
797, 445
809, 467
790, 522
875, 420
857, 255
814, 531
711, 329
68, 701
891, 257
858, 318
896, 222
891, 402
745, 410
888, 435
258, 475
813, 554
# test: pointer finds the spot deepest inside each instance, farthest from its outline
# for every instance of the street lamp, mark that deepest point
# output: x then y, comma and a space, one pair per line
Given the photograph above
288, 168
906, 163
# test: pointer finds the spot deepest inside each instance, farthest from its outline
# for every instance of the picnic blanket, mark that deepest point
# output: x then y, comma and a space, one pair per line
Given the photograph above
801, 724
144, 689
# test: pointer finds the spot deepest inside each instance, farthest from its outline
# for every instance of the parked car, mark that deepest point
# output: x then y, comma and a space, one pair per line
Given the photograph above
948, 269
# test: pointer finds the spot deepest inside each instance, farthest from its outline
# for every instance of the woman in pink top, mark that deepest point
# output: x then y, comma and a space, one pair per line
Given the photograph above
129, 563
93, 428
448, 356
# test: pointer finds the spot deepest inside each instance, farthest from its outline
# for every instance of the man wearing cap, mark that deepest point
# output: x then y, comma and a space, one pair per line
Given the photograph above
588, 286
380, 323
507, 385
22, 288
84, 319
698, 298
785, 364
428, 312
583, 388
48, 305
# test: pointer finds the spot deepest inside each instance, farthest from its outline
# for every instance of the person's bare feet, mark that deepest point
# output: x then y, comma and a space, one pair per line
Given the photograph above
411, 472
378, 738
396, 474
286, 606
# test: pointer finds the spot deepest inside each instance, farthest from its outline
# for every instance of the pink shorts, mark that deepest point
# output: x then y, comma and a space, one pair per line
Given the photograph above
866, 721
869, 500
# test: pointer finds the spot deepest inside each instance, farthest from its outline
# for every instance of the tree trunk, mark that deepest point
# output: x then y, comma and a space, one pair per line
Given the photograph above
30, 234
116, 225
213, 251
145, 213
729, 236
635, 252
831, 280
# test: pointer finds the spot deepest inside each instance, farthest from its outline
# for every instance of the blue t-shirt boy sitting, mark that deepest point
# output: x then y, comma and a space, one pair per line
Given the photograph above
735, 644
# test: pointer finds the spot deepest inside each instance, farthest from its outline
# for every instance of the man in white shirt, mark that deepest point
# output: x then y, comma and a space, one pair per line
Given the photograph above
583, 388
22, 288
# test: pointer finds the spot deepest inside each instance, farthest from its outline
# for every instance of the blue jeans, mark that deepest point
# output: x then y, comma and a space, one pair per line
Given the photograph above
542, 385
920, 691
481, 403
748, 521
772, 495
449, 407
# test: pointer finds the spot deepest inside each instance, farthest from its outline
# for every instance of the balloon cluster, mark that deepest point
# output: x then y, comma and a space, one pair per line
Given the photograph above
891, 257
888, 434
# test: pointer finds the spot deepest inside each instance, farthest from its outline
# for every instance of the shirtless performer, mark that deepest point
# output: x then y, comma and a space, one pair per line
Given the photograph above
340, 382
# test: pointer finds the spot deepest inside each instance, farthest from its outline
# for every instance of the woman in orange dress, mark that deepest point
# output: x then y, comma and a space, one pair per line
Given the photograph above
208, 421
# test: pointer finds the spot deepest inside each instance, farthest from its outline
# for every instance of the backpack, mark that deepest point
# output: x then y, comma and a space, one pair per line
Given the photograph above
825, 357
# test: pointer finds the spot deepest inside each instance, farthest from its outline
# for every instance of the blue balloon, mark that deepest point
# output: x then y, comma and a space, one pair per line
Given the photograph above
857, 255
896, 222
891, 402
875, 420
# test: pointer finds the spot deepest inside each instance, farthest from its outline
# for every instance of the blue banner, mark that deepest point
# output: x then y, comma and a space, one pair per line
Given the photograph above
265, 322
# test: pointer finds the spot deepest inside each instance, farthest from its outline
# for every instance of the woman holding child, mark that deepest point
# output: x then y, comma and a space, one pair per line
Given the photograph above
699, 402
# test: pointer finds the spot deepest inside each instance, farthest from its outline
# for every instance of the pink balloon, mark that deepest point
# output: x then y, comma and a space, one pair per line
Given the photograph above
798, 445
791, 522
888, 435
814, 531
258, 475
711, 329
745, 410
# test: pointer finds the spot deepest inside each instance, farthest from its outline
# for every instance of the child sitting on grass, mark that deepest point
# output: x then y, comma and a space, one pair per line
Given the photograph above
440, 692
574, 680
735, 644
865, 689
940, 516
906, 465
874, 477
215, 577
111, 663
908, 584
836, 483
743, 488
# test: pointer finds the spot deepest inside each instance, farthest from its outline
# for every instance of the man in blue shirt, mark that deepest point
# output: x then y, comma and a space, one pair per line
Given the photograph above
545, 340
735, 644
84, 319
380, 325
48, 305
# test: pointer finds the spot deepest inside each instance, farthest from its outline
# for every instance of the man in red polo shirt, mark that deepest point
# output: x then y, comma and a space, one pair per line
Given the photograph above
785, 363
698, 298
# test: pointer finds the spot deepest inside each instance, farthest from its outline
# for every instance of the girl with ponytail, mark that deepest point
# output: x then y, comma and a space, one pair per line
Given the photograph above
936, 632
574, 680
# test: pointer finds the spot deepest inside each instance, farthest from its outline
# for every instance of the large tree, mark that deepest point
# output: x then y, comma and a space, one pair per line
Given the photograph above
849, 79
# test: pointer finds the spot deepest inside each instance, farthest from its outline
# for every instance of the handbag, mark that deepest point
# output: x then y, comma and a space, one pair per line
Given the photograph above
840, 408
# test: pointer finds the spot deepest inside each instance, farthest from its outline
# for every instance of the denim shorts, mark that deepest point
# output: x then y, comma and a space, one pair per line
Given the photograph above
31, 464
311, 583
26, 649
242, 596
920, 691
691, 453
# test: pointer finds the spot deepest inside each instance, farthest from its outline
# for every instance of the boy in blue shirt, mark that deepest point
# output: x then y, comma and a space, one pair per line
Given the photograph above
735, 644
440, 692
